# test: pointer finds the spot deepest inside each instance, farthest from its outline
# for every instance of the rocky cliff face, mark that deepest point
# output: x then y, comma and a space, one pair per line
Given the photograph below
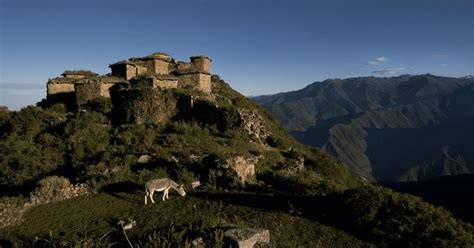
387, 129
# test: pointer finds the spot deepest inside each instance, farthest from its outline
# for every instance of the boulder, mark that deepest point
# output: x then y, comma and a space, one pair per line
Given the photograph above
244, 167
247, 237
195, 184
198, 242
144, 159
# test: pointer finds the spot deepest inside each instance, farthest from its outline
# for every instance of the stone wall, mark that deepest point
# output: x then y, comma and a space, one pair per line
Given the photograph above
89, 91
146, 106
201, 63
104, 89
127, 71
164, 84
60, 88
130, 72
161, 67
141, 70
119, 70
204, 82
186, 81
155, 83
183, 66
200, 81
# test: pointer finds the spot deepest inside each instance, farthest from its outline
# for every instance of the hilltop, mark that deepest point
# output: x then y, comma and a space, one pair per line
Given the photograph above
404, 128
76, 164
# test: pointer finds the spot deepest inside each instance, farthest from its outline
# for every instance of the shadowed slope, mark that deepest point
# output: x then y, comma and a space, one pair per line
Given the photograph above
386, 129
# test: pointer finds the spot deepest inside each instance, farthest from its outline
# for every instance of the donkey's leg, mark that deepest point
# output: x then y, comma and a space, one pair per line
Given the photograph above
151, 196
165, 192
146, 196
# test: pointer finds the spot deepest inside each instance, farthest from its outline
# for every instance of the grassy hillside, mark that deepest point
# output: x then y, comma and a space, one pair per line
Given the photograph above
302, 195
92, 220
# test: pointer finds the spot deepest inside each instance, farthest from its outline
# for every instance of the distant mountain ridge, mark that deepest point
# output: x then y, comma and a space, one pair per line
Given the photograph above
402, 128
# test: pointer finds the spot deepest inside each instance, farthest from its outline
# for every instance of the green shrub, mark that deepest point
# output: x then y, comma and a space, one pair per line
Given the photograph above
87, 139
392, 219
57, 108
306, 182
24, 161
102, 105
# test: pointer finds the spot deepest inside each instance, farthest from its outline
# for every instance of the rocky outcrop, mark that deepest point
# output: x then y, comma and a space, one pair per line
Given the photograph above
11, 213
244, 167
55, 188
230, 170
247, 237
253, 124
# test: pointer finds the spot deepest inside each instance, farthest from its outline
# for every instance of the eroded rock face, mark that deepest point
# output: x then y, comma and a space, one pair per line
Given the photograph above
247, 237
253, 123
244, 167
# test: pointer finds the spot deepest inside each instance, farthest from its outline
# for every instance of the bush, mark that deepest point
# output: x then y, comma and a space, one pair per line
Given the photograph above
306, 182
87, 139
25, 161
388, 218
102, 105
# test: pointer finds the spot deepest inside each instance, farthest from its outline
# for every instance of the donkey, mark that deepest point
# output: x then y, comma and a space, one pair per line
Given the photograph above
163, 184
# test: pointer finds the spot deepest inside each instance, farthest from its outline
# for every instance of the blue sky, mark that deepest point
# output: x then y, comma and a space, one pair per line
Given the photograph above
258, 47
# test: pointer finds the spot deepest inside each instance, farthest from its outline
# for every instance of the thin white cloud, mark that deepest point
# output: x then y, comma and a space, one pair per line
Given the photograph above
378, 61
444, 65
389, 71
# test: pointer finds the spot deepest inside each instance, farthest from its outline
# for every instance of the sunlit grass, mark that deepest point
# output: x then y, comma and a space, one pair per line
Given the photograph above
95, 217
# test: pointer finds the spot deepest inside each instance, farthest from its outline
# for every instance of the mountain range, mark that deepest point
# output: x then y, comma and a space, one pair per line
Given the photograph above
388, 129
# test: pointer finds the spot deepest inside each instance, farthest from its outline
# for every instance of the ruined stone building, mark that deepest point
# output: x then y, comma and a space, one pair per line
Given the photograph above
155, 71
159, 70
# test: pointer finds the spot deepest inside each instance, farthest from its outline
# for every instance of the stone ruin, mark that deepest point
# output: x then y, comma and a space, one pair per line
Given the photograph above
156, 71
